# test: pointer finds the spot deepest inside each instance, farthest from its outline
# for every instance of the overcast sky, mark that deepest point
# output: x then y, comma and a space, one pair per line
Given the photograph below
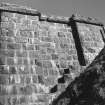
90, 8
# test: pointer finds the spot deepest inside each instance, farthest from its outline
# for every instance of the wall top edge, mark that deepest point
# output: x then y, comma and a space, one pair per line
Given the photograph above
17, 8
29, 11
88, 20
59, 19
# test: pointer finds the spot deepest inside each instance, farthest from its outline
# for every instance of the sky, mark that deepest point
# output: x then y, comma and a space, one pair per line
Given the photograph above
88, 8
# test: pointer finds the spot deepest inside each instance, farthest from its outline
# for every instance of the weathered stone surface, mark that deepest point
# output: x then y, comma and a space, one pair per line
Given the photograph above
91, 40
13, 46
35, 52
88, 88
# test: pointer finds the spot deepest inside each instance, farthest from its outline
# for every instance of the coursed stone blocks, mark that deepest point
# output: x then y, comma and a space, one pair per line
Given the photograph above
34, 51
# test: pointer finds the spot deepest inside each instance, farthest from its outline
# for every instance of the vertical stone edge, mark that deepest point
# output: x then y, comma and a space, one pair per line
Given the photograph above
103, 33
78, 45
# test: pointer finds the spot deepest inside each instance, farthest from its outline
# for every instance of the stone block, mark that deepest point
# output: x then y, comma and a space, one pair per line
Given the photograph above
42, 98
9, 100
7, 14
3, 90
50, 80
55, 56
9, 25
4, 79
34, 79
61, 87
14, 79
48, 44
18, 17
61, 34
37, 47
45, 72
10, 53
24, 46
35, 90
43, 32
15, 100
45, 57
41, 79
28, 79
17, 79
33, 18
23, 69
36, 41
26, 21
12, 69
21, 90
36, 33
63, 30
46, 39
63, 46
10, 39
4, 69
42, 51
10, 61
20, 53
71, 52
42, 89
23, 100
26, 33
19, 61
75, 57
13, 46
3, 38
2, 52
51, 50
2, 45
32, 69
63, 63
69, 57
2, 100
31, 61
33, 54
7, 32
22, 79
56, 73
51, 72
38, 63
30, 47
28, 90
21, 39
2, 60
7, 53
30, 40
11, 79
25, 61
12, 90
39, 70
47, 64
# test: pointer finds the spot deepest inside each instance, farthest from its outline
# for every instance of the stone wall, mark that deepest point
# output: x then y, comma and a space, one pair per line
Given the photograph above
35, 49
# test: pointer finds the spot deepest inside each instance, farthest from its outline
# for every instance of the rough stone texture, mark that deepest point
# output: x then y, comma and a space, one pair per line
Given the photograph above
35, 51
91, 40
88, 88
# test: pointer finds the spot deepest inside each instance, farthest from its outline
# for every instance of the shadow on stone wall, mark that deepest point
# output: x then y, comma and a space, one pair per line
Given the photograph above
88, 88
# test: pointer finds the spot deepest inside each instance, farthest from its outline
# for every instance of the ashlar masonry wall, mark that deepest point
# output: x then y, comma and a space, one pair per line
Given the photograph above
90, 34
35, 49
